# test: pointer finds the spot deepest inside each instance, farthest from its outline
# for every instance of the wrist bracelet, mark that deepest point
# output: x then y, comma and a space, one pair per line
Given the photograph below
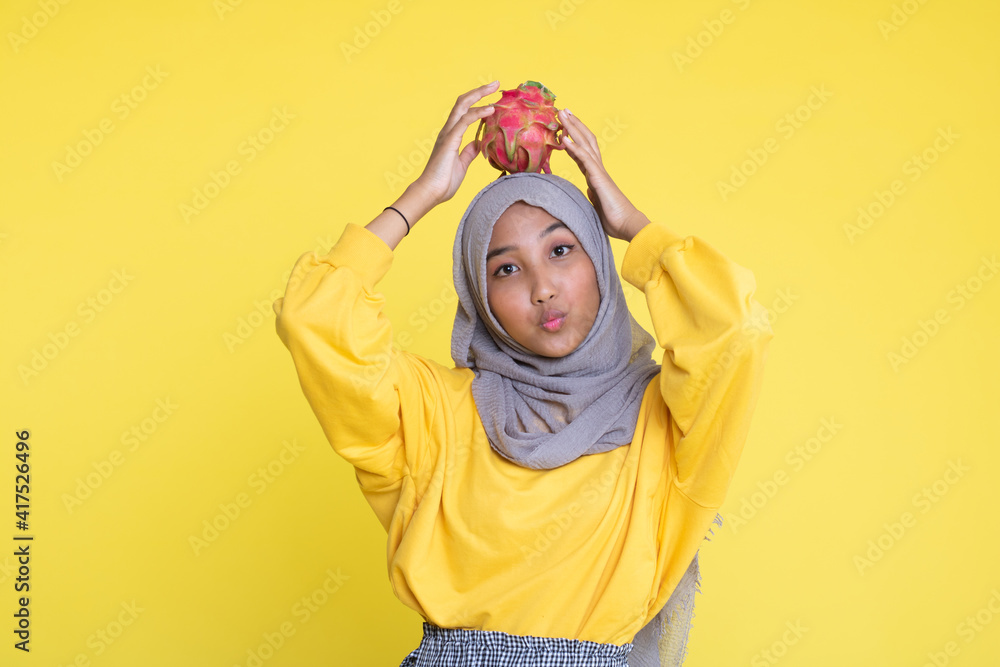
403, 216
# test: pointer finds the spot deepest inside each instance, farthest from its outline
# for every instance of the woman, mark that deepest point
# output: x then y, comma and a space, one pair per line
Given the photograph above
546, 497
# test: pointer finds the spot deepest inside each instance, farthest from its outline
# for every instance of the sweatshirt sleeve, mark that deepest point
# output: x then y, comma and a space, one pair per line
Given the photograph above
330, 319
715, 338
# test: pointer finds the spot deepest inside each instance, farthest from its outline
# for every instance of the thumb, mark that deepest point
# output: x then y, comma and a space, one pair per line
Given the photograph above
469, 153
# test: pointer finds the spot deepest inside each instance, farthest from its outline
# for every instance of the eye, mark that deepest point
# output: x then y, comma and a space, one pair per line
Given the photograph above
564, 245
499, 270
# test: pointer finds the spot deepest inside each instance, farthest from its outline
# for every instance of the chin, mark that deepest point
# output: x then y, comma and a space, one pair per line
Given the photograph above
556, 353
548, 348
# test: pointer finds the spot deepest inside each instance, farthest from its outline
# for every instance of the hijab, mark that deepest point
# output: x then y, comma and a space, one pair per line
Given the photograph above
544, 412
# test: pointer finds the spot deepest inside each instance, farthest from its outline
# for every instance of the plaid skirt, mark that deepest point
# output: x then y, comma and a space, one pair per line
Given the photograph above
443, 647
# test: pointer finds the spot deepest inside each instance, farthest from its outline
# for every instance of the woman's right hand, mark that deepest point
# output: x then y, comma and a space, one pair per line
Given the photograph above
446, 165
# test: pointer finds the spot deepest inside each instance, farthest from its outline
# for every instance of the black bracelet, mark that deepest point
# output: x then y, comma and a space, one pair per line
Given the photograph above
404, 218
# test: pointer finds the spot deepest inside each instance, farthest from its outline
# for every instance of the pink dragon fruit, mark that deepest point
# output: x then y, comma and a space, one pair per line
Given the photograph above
520, 134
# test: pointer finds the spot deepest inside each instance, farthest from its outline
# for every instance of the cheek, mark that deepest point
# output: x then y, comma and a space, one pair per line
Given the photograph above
589, 290
511, 310
499, 302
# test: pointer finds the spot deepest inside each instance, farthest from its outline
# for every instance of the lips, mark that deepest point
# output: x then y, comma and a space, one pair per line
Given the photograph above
552, 319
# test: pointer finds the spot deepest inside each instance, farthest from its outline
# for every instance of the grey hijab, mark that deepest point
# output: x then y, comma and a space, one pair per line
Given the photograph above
542, 412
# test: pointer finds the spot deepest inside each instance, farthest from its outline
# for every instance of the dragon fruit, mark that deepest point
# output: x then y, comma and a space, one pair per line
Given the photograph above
520, 134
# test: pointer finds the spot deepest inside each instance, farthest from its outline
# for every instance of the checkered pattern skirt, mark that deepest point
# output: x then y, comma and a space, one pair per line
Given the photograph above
444, 647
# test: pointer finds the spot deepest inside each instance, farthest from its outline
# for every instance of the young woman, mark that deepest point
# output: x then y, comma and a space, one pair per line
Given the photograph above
546, 497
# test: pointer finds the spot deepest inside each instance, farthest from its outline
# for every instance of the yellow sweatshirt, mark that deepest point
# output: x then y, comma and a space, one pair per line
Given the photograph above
591, 550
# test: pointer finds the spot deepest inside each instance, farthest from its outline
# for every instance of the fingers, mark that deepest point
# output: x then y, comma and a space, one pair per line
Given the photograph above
468, 154
581, 153
475, 113
579, 133
581, 145
479, 92
452, 136
465, 101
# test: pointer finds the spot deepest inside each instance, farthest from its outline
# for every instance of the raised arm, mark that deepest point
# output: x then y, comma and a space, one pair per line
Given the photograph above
713, 332
715, 338
331, 321
330, 318
444, 173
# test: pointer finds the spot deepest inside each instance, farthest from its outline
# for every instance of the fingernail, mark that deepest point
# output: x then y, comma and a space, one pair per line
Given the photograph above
568, 112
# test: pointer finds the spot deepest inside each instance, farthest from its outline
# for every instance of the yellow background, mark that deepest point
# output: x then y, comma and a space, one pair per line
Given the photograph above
671, 131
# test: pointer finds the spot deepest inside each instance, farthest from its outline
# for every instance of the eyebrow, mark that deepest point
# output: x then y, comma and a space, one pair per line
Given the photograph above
507, 248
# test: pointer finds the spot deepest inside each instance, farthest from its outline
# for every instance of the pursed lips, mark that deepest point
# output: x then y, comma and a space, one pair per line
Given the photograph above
551, 315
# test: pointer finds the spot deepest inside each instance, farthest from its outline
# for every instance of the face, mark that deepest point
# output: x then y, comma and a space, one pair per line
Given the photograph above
535, 265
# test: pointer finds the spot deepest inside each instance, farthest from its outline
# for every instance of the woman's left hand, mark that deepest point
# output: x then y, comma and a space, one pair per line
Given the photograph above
621, 220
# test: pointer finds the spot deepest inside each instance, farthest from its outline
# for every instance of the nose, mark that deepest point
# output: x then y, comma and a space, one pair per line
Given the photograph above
544, 287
